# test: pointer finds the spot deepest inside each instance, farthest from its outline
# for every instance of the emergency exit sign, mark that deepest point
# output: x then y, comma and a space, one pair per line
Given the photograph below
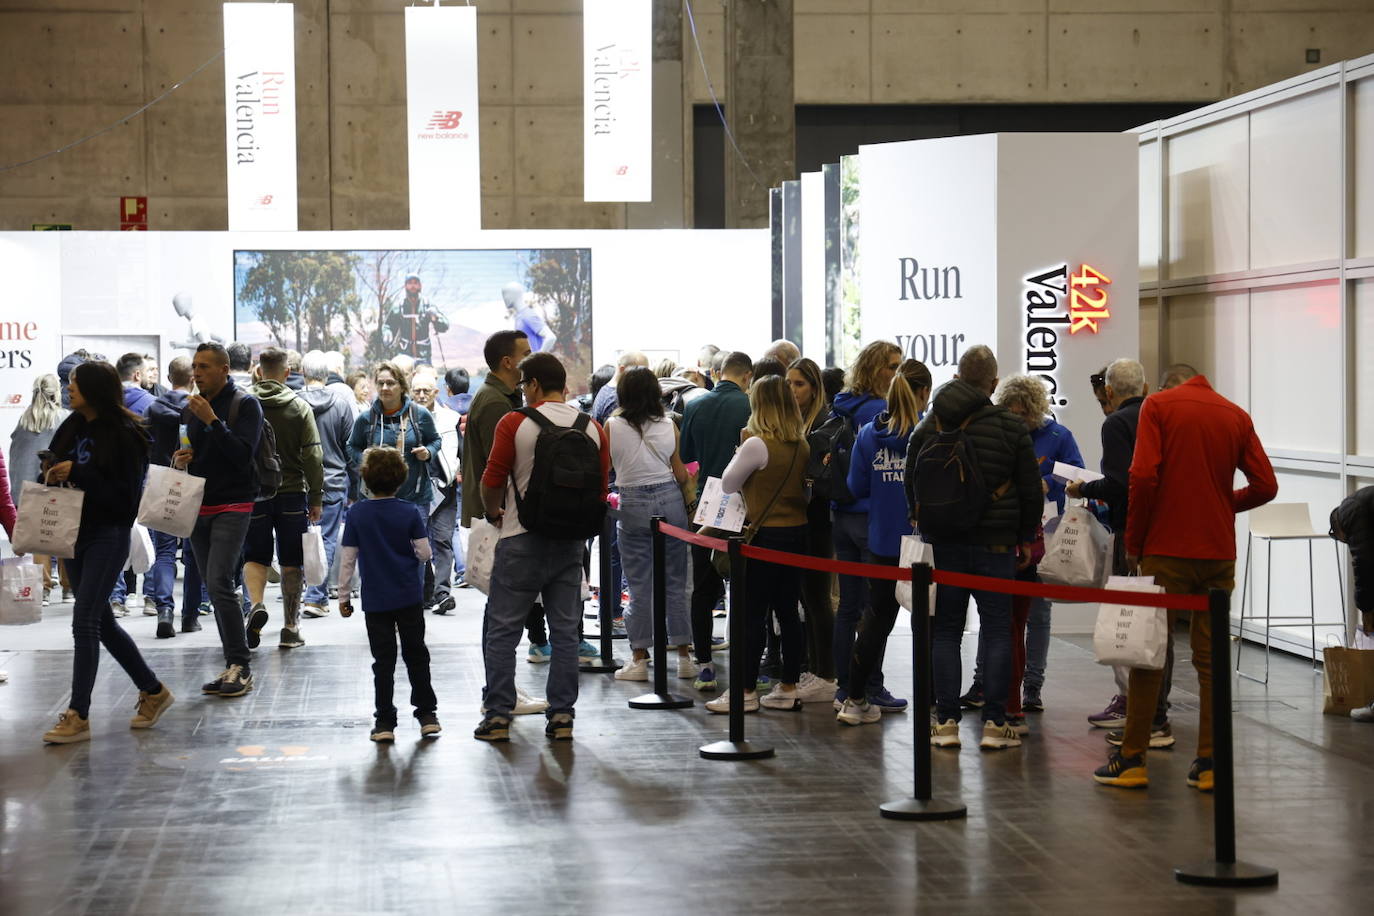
133, 213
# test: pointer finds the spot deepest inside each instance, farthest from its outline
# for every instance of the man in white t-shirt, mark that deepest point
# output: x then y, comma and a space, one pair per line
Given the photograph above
529, 563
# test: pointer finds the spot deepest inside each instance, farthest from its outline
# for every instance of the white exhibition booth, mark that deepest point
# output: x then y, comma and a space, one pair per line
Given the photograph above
1239, 238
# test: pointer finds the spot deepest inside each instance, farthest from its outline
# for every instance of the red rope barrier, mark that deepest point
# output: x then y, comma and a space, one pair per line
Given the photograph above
960, 580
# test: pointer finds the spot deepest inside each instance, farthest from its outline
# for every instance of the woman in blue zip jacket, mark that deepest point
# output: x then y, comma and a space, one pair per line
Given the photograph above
102, 450
877, 473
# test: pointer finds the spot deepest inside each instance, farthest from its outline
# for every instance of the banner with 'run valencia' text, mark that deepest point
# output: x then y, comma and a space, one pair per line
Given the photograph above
260, 115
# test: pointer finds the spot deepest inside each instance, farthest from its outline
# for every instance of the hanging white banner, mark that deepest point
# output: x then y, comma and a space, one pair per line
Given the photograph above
617, 108
442, 119
260, 115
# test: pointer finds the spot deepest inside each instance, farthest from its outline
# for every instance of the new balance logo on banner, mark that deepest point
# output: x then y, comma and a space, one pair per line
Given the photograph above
444, 120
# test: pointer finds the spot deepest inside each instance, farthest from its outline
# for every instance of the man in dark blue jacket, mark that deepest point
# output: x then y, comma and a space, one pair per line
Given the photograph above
223, 424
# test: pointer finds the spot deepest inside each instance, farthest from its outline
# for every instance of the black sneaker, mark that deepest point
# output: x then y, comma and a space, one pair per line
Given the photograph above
214, 686
190, 624
383, 731
236, 681
1161, 736
257, 619
443, 607
1030, 701
493, 728
1124, 772
974, 698
1200, 775
429, 724
559, 727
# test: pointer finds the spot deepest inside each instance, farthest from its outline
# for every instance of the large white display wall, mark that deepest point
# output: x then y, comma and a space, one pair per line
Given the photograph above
1257, 267
665, 292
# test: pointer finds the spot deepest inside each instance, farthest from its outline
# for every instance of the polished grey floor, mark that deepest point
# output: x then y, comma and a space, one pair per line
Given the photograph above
278, 803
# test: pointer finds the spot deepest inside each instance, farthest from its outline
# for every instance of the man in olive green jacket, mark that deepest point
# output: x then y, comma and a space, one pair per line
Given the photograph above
498, 396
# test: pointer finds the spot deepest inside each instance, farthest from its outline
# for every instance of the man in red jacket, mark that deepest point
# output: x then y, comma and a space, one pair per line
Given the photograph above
1181, 529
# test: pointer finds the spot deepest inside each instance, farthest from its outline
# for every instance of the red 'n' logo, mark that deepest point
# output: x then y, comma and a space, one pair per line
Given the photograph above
444, 120
265, 200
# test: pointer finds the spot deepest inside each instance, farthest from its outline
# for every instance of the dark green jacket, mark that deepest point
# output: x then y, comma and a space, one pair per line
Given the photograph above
493, 401
710, 429
298, 440
1002, 445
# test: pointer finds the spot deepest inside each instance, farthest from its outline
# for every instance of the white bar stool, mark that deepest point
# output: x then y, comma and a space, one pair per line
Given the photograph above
1284, 522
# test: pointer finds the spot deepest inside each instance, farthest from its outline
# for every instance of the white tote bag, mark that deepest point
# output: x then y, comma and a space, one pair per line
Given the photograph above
171, 501
1133, 636
1077, 551
315, 566
141, 553
49, 520
21, 592
914, 550
482, 554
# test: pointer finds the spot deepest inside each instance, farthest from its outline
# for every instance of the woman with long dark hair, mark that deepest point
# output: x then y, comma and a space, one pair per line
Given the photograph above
101, 449
649, 474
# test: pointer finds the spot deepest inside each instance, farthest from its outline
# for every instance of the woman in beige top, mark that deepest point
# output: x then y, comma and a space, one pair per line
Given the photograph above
769, 470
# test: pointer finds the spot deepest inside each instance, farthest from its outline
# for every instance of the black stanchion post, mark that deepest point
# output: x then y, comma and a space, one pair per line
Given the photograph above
606, 662
1224, 871
736, 748
660, 698
921, 807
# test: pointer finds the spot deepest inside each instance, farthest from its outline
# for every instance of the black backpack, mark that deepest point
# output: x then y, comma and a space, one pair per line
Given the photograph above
950, 491
831, 444
266, 461
565, 498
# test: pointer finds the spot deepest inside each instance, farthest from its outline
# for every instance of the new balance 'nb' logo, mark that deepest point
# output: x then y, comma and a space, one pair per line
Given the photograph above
444, 120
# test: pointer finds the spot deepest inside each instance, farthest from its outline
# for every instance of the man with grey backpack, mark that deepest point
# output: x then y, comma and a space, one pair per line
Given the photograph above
973, 486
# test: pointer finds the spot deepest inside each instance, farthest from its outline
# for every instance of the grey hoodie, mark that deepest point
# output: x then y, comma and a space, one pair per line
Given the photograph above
334, 421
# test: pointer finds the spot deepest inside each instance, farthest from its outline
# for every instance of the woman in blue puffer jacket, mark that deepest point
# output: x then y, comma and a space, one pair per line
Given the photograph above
877, 474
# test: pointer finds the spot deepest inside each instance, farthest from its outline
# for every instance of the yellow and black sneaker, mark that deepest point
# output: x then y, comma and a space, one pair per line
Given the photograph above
1125, 772
1200, 774
493, 728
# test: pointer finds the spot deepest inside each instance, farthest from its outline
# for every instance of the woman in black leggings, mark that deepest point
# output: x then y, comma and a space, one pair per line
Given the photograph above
101, 449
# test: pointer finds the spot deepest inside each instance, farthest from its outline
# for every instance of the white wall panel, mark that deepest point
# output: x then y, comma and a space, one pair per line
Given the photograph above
1295, 180
1296, 383
1149, 339
1362, 331
1209, 331
1149, 212
1362, 147
1208, 205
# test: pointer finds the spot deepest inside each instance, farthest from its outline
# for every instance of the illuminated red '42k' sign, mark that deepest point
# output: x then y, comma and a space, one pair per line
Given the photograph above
1088, 299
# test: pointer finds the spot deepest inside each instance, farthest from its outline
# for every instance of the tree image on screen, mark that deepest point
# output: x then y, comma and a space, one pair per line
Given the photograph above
305, 298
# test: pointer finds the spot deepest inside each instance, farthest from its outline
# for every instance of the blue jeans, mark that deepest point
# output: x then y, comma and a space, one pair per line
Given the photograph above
192, 586
851, 543
951, 612
162, 577
529, 565
216, 542
637, 556
1037, 645
331, 514
101, 552
448, 548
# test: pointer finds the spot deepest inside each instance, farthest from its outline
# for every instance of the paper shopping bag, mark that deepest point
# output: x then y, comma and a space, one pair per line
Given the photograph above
1130, 635
481, 554
141, 554
21, 592
315, 567
49, 520
1077, 550
914, 550
171, 501
1347, 679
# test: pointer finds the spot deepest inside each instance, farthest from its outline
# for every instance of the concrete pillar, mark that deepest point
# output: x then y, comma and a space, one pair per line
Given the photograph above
760, 108
668, 208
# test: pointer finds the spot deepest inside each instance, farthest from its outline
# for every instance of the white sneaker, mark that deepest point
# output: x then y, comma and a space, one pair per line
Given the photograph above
721, 704
812, 689
944, 734
998, 737
687, 667
778, 698
858, 713
526, 705
1363, 713
636, 669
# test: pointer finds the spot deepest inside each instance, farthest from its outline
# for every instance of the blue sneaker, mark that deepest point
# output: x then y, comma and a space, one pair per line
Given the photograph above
706, 678
840, 696
764, 683
586, 652
540, 654
885, 701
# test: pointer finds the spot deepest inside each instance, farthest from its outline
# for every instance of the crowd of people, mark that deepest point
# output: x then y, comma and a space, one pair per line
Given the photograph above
395, 464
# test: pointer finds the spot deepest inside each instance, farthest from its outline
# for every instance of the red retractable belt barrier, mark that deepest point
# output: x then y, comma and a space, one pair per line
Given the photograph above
961, 580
